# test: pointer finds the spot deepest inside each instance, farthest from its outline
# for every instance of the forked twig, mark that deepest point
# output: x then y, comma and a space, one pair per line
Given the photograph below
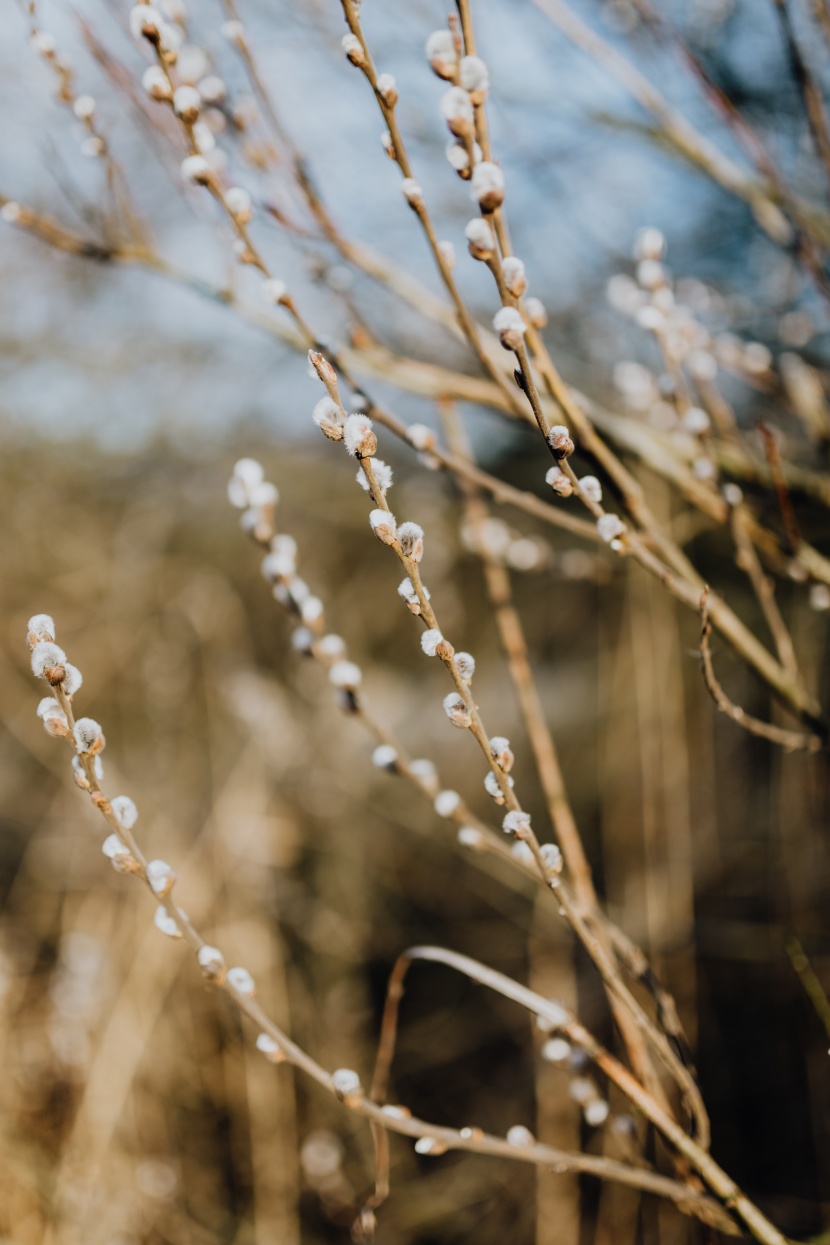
790, 741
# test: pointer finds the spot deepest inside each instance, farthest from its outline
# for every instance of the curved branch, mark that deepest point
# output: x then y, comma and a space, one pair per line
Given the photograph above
790, 741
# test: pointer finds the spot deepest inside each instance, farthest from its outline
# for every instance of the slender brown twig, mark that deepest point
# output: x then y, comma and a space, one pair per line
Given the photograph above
791, 741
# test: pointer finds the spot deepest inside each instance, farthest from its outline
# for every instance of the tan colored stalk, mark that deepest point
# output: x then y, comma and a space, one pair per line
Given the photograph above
398, 1120
562, 1021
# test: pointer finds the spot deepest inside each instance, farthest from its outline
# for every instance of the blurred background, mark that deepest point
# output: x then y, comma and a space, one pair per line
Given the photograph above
131, 1110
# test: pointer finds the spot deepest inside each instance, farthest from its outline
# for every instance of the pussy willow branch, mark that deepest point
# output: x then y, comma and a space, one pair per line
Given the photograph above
399, 1120
629, 488
791, 741
465, 318
562, 1021
567, 906
428, 380
592, 943
677, 573
360, 707
508, 622
511, 633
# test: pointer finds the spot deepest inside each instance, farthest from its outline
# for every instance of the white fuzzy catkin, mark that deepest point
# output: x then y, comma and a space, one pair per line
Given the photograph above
197, 170
187, 102
50, 708
430, 641
238, 203
83, 107
241, 981
424, 770
86, 733
474, 76
276, 566
213, 89
518, 1135
559, 440
447, 802
385, 756
517, 823
165, 922
649, 243
465, 664
72, 680
41, 627
492, 787
469, 836
456, 710
480, 238
382, 523
412, 192
513, 271
596, 1112
457, 111
447, 252
44, 43
46, 656
211, 962
359, 437
265, 494
552, 857
695, 421
536, 312
610, 527
559, 482
510, 327
125, 810
272, 1050
520, 851
591, 488
161, 877
273, 290
53, 717
332, 647
247, 475
233, 31
311, 610
346, 1082
353, 48
487, 185
420, 436
145, 22
115, 851
382, 473
345, 676
556, 1050
500, 752
459, 156
411, 536
302, 640
441, 53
